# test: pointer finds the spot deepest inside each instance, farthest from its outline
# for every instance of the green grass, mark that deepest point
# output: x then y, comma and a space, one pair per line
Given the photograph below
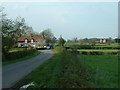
67, 70
17, 49
103, 69
99, 50
21, 59
61, 71
46, 75
100, 45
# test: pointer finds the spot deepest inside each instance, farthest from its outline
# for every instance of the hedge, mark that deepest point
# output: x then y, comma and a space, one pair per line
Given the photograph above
90, 47
98, 53
18, 54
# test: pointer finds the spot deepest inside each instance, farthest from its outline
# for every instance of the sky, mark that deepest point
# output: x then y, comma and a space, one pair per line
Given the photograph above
69, 19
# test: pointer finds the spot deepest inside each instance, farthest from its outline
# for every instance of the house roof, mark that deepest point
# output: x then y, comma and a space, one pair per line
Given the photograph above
29, 38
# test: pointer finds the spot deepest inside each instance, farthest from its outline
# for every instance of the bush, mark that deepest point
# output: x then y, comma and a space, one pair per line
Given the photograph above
59, 49
91, 47
18, 54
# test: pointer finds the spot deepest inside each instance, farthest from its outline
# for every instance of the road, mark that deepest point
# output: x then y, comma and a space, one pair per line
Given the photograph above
12, 73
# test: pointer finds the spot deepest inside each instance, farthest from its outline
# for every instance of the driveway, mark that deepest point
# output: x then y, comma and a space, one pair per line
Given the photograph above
12, 73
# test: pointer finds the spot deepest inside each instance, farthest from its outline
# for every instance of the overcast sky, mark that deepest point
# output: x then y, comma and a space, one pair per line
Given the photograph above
69, 19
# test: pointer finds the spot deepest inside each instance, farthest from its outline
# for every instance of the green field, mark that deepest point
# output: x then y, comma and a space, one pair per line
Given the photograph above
99, 50
103, 69
97, 45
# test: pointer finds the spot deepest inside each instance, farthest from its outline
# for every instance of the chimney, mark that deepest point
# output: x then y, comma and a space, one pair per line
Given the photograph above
31, 35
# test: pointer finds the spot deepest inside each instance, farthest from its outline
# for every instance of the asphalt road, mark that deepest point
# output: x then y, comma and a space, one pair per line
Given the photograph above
12, 73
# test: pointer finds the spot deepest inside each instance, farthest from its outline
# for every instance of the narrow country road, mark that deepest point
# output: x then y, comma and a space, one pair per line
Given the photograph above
12, 73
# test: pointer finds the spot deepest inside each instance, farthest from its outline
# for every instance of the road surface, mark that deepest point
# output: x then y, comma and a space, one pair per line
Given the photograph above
12, 73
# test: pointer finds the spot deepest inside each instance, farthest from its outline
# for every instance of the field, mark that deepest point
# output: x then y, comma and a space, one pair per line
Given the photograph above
97, 44
99, 50
68, 70
103, 69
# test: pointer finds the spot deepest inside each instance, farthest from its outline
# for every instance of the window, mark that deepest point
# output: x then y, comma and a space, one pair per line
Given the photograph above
32, 40
25, 40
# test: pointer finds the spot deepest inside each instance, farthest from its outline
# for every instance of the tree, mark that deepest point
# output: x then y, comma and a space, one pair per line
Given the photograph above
7, 27
75, 40
109, 40
11, 29
86, 40
61, 41
93, 41
48, 36
81, 41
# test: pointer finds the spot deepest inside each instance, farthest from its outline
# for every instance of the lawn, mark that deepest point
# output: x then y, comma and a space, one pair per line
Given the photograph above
103, 69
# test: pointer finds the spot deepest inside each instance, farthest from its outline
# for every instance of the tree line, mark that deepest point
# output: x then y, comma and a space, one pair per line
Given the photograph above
90, 40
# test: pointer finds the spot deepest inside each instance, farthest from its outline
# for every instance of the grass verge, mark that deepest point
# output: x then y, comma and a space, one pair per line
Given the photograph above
46, 75
20, 59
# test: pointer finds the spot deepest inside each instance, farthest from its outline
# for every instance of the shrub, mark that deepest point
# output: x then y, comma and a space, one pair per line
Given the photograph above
59, 49
18, 54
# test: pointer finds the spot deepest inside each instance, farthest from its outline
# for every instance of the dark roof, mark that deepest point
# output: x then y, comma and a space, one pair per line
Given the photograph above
29, 38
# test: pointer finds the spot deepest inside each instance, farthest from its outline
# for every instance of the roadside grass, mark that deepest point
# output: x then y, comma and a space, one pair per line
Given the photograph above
20, 59
103, 69
46, 75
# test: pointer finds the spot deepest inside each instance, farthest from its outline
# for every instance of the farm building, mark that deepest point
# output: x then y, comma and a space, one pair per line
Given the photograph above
103, 40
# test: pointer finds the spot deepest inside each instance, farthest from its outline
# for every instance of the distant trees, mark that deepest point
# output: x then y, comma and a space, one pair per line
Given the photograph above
48, 36
61, 41
81, 41
74, 40
109, 40
92, 41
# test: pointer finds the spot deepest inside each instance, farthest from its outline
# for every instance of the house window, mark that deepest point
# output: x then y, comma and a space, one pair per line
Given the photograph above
32, 41
25, 40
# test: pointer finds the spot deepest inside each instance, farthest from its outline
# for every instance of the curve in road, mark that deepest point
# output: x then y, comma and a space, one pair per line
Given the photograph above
12, 73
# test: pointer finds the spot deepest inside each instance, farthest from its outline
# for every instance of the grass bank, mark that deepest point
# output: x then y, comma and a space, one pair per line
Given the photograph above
21, 59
